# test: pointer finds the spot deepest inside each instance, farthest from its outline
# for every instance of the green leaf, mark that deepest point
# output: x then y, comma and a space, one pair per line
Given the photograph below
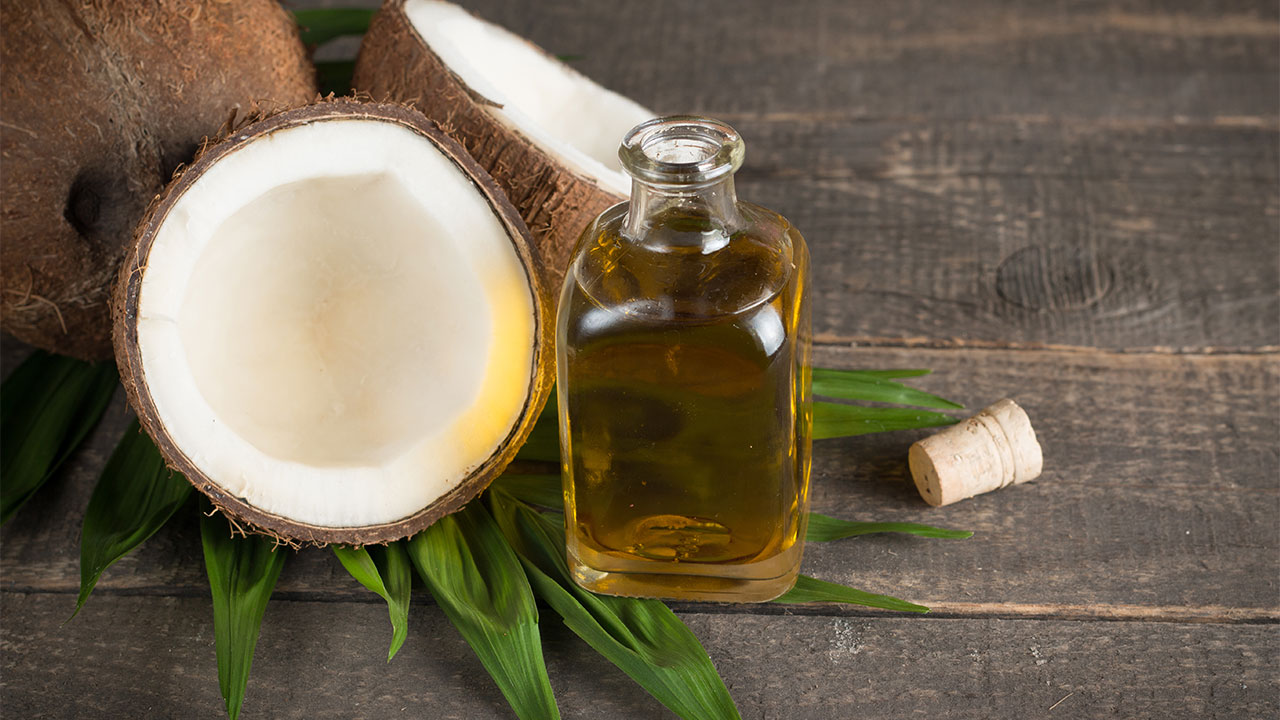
891, 374
48, 405
832, 420
809, 589
823, 528
385, 571
242, 573
543, 443
545, 491
867, 386
135, 496
642, 637
334, 76
321, 25
477, 580
542, 490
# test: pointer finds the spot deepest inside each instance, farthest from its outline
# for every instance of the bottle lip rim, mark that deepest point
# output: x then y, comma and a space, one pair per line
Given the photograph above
713, 150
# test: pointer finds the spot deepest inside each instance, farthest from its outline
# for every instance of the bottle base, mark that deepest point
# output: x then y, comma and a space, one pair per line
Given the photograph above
669, 586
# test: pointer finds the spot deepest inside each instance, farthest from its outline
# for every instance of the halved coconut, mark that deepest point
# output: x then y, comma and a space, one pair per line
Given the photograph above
99, 102
333, 325
547, 134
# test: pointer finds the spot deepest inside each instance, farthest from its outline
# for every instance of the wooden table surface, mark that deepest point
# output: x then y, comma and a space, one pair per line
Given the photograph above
1074, 204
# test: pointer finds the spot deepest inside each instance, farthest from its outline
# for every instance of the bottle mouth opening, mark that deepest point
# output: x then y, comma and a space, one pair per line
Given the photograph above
681, 150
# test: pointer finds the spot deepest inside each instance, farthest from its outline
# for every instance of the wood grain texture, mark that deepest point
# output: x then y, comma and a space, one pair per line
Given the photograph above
1071, 204
1020, 231
324, 660
938, 159
922, 148
1161, 61
1157, 501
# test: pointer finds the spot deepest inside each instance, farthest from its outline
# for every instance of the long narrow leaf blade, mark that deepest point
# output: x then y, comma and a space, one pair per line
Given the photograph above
832, 420
823, 528
809, 589
891, 374
859, 385
541, 490
642, 637
321, 25
544, 440
545, 491
48, 405
389, 575
477, 580
135, 496
242, 573
334, 76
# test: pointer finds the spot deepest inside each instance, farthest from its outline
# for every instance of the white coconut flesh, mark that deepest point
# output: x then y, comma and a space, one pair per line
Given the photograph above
558, 108
334, 325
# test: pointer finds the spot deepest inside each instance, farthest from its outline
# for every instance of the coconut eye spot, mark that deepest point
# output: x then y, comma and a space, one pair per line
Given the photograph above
321, 328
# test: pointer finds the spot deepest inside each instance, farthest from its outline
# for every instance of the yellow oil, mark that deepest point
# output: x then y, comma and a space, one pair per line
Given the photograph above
684, 408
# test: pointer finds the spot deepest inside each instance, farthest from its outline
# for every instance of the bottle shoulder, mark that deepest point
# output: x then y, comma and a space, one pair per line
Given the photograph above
682, 270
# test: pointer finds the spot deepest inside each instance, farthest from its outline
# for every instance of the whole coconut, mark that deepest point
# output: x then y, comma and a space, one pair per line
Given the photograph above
99, 103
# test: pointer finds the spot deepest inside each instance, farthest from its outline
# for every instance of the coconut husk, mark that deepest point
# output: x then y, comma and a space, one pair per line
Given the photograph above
99, 103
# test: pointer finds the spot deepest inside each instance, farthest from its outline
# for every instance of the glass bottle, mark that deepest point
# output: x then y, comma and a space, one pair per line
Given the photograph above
683, 343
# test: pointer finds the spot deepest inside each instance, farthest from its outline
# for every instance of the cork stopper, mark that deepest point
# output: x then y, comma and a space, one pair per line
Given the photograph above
990, 450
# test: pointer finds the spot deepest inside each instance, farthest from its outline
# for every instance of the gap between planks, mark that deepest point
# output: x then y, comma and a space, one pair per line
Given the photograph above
859, 342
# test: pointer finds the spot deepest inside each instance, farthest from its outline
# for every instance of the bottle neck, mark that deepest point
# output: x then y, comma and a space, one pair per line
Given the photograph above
705, 215
681, 170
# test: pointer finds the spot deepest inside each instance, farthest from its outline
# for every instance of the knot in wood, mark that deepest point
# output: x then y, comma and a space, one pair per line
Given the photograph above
1054, 278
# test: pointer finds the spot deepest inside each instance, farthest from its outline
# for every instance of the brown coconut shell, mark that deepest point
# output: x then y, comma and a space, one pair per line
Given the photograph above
556, 202
133, 376
99, 103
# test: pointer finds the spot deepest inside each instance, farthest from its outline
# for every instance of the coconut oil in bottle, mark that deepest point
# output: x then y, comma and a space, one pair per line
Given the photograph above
683, 377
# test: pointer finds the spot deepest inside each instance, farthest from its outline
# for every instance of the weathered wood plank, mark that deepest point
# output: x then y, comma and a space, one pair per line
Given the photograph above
920, 262
995, 173
155, 657
1150, 63
1087, 59
1021, 231
1155, 482
1158, 499
990, 171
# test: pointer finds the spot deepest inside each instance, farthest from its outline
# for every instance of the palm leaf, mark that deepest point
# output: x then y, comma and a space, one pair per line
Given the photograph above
385, 571
642, 637
891, 374
870, 387
823, 528
540, 490
809, 589
135, 496
242, 573
833, 420
334, 76
830, 420
321, 25
543, 443
545, 491
48, 405
477, 580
